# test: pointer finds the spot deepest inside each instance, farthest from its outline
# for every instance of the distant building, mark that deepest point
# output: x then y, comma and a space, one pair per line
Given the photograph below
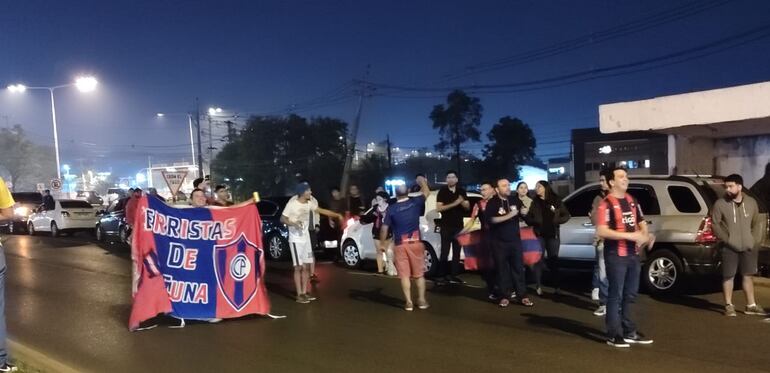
641, 152
560, 175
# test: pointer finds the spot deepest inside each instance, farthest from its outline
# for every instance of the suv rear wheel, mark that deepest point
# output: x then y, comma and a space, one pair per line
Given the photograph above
663, 272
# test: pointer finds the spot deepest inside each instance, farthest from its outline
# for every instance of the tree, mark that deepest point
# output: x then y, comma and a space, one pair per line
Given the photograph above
25, 162
512, 145
457, 122
272, 153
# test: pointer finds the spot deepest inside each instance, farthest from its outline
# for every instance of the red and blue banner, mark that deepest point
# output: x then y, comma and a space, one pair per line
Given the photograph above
197, 263
477, 256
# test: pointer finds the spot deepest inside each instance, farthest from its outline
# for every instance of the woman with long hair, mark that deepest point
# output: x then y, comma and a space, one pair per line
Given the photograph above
546, 214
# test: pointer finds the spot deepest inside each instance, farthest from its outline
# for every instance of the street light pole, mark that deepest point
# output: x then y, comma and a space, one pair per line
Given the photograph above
55, 133
84, 84
198, 123
192, 141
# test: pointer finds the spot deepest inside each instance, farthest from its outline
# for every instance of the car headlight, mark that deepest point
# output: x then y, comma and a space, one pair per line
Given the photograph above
21, 211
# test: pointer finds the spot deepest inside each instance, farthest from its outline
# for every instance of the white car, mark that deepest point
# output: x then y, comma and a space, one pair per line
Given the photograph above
69, 215
358, 243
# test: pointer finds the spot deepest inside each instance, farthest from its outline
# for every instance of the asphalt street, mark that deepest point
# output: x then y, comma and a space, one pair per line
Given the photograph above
69, 298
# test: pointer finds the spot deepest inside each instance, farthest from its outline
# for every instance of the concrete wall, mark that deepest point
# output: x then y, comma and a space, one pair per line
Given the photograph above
695, 155
705, 107
746, 156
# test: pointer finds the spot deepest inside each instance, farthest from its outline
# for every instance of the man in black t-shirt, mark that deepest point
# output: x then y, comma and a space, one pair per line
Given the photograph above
452, 202
503, 214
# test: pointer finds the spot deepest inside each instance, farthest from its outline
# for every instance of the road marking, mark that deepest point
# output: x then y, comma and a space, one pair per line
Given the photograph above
37, 359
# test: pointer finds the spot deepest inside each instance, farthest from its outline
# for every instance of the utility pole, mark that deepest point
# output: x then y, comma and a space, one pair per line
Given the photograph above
198, 124
149, 172
390, 154
211, 146
354, 135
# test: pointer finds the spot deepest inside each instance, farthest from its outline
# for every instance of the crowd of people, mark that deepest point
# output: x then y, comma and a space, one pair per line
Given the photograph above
502, 213
621, 236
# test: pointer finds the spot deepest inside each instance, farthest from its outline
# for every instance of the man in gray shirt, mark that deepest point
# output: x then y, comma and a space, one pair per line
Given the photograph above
736, 223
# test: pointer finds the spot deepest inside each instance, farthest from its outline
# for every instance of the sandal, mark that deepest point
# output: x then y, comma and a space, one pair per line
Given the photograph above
526, 302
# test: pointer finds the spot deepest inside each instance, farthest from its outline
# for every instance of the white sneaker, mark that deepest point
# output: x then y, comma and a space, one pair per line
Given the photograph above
601, 311
177, 323
595, 294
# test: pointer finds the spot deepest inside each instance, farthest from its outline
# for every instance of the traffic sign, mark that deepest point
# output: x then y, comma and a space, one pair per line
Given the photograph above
174, 180
56, 184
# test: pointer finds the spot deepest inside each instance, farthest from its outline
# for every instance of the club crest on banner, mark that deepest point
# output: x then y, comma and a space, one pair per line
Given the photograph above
236, 265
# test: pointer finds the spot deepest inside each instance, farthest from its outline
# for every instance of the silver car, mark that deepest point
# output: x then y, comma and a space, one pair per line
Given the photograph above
677, 210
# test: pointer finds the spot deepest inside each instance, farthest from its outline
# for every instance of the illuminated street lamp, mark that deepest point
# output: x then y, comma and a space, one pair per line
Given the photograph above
84, 84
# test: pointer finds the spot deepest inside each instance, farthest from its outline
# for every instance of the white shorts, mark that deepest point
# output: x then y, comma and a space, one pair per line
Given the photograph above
301, 253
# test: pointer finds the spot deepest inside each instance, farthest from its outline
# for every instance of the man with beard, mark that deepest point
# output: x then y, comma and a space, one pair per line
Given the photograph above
737, 224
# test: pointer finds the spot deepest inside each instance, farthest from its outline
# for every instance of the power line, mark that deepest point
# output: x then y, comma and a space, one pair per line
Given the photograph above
668, 16
701, 51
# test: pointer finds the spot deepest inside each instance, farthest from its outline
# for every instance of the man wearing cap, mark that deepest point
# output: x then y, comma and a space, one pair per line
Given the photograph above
297, 216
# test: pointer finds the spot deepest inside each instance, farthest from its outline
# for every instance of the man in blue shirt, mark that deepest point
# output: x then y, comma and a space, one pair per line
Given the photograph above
403, 219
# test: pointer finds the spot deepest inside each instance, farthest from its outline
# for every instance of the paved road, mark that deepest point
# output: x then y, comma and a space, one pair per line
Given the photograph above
69, 298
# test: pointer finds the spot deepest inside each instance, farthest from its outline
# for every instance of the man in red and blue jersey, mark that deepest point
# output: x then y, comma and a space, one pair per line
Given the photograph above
403, 219
620, 223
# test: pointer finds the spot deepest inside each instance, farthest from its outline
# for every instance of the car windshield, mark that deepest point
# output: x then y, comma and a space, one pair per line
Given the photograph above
28, 198
75, 205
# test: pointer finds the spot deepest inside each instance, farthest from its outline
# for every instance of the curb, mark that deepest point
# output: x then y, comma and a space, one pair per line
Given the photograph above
37, 359
762, 282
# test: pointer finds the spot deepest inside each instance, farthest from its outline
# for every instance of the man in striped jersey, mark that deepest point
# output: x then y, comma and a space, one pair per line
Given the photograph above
621, 224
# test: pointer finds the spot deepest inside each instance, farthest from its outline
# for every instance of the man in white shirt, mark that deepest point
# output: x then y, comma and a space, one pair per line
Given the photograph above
297, 216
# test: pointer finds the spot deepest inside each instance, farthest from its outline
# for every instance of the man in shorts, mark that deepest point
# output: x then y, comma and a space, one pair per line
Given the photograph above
403, 219
736, 223
297, 216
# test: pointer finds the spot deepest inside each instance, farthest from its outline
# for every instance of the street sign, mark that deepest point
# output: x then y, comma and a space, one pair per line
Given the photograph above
56, 184
174, 180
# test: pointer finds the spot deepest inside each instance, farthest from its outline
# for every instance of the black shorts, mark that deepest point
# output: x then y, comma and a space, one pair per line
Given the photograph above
732, 261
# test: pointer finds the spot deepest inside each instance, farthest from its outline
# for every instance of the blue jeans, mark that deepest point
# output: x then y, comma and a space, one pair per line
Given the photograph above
623, 277
599, 280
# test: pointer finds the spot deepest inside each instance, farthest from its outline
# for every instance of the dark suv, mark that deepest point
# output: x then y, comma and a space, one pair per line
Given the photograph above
677, 210
26, 203
275, 235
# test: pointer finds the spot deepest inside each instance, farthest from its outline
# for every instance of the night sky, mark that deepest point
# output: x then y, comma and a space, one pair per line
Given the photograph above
260, 57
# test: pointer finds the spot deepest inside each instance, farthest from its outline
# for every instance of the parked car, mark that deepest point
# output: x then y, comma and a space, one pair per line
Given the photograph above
68, 215
677, 210
111, 225
275, 235
114, 195
89, 196
26, 203
358, 244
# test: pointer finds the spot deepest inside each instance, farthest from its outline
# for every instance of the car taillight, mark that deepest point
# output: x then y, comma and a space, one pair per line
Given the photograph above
65, 214
706, 234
